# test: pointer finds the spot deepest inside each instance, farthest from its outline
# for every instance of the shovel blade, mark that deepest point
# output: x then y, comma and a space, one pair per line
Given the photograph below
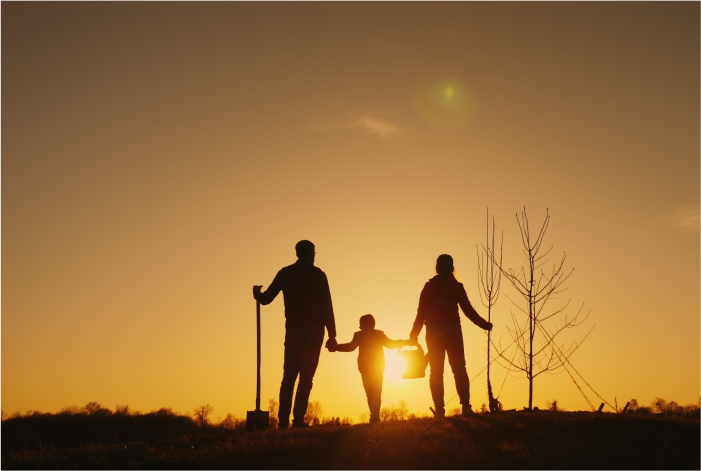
257, 420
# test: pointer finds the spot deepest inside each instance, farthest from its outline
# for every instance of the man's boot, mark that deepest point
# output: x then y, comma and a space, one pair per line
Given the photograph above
467, 410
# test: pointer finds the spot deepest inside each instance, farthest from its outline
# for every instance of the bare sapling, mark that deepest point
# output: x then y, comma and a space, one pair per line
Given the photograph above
489, 281
535, 338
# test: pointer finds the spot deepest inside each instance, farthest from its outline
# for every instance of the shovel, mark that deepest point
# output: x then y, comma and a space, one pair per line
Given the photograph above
257, 419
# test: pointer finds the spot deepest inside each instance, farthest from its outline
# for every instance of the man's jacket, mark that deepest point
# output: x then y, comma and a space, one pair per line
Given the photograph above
439, 303
305, 289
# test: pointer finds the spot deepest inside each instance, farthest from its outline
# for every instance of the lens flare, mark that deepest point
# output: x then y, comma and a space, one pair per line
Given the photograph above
445, 103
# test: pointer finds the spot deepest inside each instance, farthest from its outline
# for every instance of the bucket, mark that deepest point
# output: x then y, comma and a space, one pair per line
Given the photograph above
416, 362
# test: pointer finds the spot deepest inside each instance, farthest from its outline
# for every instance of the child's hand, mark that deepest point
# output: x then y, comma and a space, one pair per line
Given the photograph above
411, 342
331, 349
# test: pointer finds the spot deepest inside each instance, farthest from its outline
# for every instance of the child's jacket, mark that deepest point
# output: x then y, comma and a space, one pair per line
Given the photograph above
371, 343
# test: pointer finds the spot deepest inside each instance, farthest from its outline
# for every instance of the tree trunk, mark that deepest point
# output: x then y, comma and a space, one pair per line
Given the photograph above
531, 325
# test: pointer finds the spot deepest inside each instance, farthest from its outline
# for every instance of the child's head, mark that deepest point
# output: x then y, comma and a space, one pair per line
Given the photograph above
367, 322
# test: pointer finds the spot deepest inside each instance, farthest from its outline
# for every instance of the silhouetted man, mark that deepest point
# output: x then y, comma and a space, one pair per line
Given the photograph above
308, 310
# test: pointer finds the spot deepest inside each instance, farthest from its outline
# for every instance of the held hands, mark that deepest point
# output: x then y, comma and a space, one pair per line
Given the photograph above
331, 344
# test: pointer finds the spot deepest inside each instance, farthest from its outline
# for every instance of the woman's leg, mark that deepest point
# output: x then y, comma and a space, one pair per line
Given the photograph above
436, 359
456, 357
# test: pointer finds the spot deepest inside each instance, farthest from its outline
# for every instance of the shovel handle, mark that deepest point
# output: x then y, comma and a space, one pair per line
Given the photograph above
258, 355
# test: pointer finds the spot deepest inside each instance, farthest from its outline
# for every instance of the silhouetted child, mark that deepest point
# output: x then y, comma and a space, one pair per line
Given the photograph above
371, 360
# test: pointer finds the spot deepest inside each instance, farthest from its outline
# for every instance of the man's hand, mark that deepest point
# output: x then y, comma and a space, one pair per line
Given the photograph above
256, 291
331, 344
412, 342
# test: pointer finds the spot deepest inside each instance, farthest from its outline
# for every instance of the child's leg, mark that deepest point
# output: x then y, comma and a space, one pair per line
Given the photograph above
372, 381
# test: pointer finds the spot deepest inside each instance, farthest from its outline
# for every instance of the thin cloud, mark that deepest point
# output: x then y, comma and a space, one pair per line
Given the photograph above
377, 127
368, 123
686, 218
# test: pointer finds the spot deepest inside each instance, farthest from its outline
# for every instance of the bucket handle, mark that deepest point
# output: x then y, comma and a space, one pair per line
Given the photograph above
418, 348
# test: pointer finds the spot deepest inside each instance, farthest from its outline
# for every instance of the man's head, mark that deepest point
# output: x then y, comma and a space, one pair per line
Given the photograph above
367, 322
305, 250
444, 265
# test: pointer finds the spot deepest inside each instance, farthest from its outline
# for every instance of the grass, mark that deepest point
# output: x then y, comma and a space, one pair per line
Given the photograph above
509, 440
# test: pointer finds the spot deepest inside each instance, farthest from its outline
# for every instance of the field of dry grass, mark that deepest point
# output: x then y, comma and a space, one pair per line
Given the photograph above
509, 440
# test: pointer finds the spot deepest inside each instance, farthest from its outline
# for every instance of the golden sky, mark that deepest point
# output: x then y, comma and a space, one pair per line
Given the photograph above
159, 159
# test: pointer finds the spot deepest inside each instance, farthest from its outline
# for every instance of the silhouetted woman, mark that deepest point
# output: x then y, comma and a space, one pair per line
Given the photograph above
438, 309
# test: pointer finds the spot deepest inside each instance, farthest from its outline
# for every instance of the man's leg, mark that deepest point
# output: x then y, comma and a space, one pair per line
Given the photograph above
436, 360
455, 347
309, 360
290, 372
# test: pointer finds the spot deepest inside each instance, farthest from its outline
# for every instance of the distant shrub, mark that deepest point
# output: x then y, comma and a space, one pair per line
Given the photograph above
93, 408
313, 414
692, 410
201, 414
70, 410
168, 412
660, 406
331, 421
553, 406
672, 408
336, 421
273, 409
398, 412
231, 422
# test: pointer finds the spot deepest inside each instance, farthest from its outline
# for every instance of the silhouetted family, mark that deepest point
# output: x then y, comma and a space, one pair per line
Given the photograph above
309, 310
